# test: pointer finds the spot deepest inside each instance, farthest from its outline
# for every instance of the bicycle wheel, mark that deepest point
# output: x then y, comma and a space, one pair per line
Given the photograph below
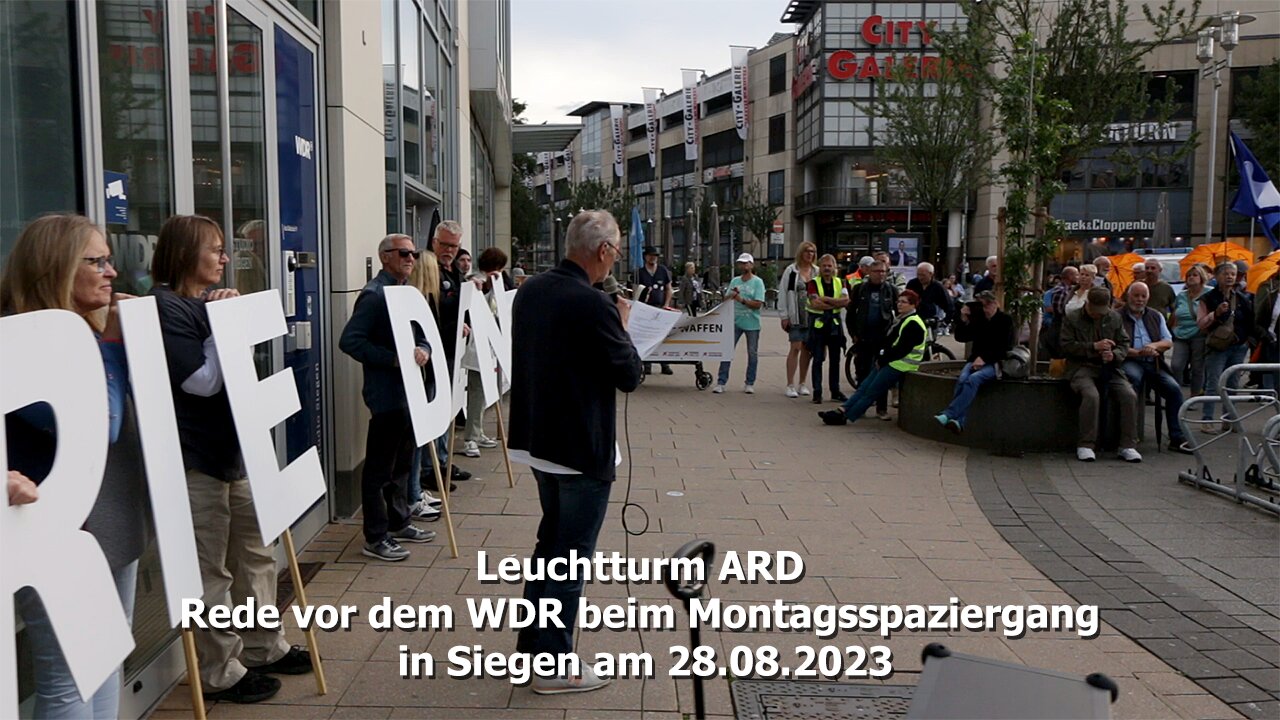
850, 368
937, 351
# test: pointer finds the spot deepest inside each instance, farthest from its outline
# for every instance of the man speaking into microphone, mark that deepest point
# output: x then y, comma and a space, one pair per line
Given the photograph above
572, 356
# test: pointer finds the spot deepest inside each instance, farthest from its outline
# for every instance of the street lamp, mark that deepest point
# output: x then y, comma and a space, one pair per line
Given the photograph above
1225, 30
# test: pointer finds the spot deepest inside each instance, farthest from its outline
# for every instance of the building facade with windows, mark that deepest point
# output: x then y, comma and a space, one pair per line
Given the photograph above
307, 130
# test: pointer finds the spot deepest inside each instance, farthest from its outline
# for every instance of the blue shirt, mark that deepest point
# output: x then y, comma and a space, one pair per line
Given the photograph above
1140, 337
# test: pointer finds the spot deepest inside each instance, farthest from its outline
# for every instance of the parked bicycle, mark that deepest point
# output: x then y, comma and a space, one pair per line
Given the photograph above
933, 349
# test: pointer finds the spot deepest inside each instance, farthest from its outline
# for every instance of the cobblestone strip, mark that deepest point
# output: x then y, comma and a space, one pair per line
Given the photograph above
1234, 662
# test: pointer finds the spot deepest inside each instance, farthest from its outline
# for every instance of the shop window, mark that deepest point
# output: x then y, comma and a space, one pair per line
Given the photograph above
719, 104
671, 120
777, 133
777, 74
39, 133
410, 90
722, 148
673, 162
777, 187
639, 170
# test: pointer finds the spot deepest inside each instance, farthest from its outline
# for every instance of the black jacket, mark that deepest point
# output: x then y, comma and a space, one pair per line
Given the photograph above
861, 325
934, 300
991, 338
573, 357
368, 338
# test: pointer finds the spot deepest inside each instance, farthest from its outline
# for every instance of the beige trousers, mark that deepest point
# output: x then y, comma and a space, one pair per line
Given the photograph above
233, 561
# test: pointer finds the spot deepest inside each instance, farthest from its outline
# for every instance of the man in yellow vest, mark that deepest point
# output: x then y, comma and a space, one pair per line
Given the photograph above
903, 352
828, 295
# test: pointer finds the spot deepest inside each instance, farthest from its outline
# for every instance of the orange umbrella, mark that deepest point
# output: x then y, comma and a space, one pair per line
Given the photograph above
1213, 253
1121, 274
1261, 270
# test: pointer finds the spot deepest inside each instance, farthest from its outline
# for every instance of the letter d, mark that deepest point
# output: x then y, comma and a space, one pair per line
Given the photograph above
51, 356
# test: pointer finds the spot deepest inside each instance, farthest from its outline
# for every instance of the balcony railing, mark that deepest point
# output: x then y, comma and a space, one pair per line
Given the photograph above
840, 198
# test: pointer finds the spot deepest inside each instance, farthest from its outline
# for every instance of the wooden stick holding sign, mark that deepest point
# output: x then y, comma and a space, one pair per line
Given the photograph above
444, 500
300, 598
193, 673
502, 438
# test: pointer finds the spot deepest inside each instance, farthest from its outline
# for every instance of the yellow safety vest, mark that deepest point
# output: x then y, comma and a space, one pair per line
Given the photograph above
911, 362
818, 323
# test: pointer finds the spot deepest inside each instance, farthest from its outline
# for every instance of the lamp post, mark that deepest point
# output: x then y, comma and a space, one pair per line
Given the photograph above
1225, 31
714, 242
691, 236
666, 236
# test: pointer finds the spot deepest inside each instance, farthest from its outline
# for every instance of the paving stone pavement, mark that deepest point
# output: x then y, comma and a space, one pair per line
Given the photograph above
878, 516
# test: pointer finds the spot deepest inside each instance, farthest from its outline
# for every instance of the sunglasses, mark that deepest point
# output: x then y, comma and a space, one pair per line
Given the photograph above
405, 253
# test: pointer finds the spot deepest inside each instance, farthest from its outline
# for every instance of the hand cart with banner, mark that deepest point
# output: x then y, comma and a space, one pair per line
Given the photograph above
674, 338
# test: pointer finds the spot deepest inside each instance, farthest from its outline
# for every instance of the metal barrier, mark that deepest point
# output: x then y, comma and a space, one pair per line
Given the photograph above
1256, 479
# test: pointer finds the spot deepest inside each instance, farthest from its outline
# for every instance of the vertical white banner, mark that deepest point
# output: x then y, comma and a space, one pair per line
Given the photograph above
615, 127
568, 166
741, 119
545, 159
651, 123
690, 96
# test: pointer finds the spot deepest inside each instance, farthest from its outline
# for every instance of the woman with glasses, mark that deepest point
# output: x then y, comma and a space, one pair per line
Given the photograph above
63, 262
189, 260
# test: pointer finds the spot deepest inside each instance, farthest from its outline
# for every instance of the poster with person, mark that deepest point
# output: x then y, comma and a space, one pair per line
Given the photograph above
904, 250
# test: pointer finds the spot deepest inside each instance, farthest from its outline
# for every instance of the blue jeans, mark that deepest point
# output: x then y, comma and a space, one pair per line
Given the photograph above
422, 466
1142, 375
1215, 362
573, 509
967, 389
753, 356
876, 386
56, 693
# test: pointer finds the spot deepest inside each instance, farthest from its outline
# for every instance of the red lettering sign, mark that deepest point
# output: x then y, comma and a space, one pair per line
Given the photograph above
842, 64
877, 31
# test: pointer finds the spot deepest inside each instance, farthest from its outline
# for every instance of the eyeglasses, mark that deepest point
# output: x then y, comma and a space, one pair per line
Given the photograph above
101, 262
405, 253
615, 248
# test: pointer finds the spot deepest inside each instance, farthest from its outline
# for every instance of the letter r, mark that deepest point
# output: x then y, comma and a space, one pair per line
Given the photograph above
51, 356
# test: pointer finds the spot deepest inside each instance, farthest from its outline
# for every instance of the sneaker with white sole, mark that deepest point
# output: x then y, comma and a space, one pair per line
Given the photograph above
470, 449
586, 682
1084, 454
1130, 455
430, 499
422, 510
791, 391
413, 534
804, 390
717, 389
749, 389
487, 442
387, 549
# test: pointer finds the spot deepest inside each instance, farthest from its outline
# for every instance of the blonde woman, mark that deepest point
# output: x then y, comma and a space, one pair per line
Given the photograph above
1088, 273
1188, 338
792, 299
63, 262
425, 276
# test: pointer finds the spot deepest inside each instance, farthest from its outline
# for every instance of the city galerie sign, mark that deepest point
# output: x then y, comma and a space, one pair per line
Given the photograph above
880, 33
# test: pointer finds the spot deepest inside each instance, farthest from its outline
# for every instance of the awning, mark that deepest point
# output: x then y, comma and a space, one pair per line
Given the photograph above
542, 138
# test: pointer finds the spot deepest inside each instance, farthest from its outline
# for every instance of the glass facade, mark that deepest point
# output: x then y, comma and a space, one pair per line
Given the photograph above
593, 146
482, 191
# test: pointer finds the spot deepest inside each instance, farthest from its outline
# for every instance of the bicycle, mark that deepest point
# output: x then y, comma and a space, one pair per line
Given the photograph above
933, 349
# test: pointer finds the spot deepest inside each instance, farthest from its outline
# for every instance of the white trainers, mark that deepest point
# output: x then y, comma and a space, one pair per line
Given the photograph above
487, 442
423, 510
717, 389
586, 682
791, 391
1130, 455
470, 449
749, 389
1084, 454
430, 500
804, 390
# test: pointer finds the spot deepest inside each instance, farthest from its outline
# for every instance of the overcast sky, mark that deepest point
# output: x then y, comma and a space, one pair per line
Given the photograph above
569, 52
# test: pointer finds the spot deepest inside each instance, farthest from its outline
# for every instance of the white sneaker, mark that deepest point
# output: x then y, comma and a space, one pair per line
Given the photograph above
1084, 454
586, 682
1130, 455
804, 390
791, 391
487, 442
423, 510
749, 389
717, 389
470, 449
431, 500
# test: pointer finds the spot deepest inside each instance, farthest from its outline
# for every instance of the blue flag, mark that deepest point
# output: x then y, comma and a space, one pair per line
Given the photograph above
636, 238
1257, 197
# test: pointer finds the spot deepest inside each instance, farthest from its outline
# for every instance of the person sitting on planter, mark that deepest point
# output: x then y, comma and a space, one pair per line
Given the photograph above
990, 331
903, 351
1095, 345
1144, 364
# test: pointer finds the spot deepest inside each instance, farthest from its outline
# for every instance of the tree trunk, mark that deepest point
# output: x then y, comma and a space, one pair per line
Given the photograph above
1037, 272
933, 243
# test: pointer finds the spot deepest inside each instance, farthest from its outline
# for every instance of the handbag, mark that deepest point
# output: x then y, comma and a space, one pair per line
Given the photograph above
1224, 335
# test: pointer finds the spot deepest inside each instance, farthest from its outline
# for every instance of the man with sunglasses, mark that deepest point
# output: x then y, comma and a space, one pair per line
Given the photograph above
389, 447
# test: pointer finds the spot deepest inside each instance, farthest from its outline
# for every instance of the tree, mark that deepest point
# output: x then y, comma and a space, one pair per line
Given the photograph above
933, 135
755, 215
525, 215
596, 195
1259, 100
1055, 76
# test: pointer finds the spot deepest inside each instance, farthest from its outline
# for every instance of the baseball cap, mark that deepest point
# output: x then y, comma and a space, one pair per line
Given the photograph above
985, 295
746, 258
865, 260
651, 250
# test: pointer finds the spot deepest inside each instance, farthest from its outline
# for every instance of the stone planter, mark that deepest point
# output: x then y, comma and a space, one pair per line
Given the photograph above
1008, 416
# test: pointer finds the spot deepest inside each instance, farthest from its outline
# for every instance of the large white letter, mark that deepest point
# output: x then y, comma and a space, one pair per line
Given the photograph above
490, 344
161, 453
279, 496
51, 356
406, 305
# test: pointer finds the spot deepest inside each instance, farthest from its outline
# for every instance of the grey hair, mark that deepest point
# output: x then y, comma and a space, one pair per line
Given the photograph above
453, 227
925, 266
390, 240
992, 259
588, 230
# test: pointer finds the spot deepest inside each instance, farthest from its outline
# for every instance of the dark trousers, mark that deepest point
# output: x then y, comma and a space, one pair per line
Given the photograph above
826, 342
384, 486
1146, 375
872, 390
865, 353
573, 509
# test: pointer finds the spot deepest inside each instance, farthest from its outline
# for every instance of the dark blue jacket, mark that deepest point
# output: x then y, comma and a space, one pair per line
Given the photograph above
368, 338
572, 356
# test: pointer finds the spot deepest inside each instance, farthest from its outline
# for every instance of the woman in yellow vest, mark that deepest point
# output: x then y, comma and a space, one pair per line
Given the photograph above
904, 350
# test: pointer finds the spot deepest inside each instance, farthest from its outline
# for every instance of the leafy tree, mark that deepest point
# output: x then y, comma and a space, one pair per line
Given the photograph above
935, 139
525, 215
596, 195
755, 215
1260, 109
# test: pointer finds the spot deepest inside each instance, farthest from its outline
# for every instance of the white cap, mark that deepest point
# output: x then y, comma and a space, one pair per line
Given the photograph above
746, 258
866, 260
